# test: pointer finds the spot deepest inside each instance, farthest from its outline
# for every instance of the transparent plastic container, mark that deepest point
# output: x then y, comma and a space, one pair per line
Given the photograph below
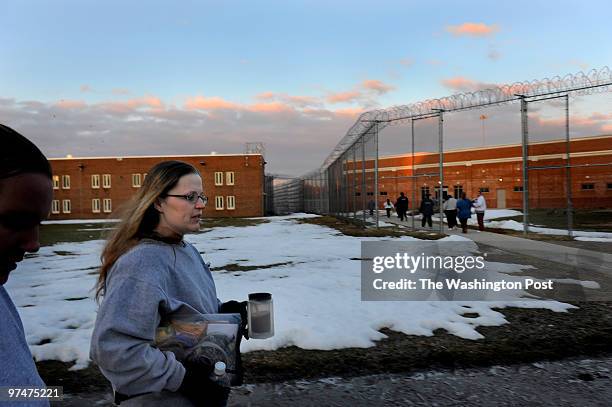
261, 316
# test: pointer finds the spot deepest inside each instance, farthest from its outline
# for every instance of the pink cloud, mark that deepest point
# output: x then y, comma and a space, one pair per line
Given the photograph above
265, 96
377, 86
406, 61
607, 128
462, 84
303, 100
341, 97
472, 29
70, 104
349, 111
151, 102
211, 103
273, 107
86, 88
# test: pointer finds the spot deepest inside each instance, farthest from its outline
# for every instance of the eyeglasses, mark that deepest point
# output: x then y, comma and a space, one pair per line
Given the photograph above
192, 197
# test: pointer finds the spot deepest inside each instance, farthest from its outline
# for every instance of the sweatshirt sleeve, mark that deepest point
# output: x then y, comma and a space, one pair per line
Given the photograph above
123, 336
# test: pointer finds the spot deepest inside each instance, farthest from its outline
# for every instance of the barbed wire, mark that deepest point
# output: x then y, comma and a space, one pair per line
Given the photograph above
580, 83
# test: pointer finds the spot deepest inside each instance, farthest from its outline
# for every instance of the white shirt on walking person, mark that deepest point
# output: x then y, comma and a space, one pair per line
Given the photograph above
388, 205
450, 204
480, 205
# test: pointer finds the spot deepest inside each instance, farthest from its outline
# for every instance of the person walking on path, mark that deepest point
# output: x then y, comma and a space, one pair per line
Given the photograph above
450, 210
150, 274
480, 206
401, 206
426, 209
371, 206
464, 211
388, 207
26, 191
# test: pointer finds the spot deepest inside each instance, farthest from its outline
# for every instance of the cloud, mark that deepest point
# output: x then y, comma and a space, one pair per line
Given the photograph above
463, 84
344, 97
272, 107
86, 88
407, 61
128, 106
70, 104
376, 86
493, 55
349, 111
473, 29
120, 91
265, 95
211, 103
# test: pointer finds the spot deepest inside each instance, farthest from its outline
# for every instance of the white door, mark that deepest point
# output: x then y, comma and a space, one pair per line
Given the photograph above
501, 198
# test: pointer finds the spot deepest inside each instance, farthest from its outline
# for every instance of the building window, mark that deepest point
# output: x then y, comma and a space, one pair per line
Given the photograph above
108, 205
484, 189
383, 193
219, 203
229, 178
518, 188
65, 181
357, 193
218, 178
95, 205
424, 192
56, 182
144, 176
586, 187
106, 180
95, 181
231, 202
55, 206
370, 193
458, 190
66, 207
136, 180
609, 185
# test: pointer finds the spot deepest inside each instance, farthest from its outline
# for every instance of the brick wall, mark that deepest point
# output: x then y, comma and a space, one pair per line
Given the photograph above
247, 189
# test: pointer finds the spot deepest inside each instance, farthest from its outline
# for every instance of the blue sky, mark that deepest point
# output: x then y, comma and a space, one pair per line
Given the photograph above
213, 75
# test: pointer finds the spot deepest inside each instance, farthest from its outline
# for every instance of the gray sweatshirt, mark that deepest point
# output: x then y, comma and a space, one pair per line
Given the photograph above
150, 282
17, 367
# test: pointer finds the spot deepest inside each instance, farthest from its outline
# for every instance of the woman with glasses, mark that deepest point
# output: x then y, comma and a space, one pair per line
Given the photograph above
149, 274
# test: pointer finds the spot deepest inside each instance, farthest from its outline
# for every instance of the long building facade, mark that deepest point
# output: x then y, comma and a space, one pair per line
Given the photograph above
496, 171
96, 187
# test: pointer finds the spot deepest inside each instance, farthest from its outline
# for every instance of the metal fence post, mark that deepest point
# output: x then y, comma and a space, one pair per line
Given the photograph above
568, 174
376, 172
414, 180
525, 145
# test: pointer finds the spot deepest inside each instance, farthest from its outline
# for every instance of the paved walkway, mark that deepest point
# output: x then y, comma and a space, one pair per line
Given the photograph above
586, 259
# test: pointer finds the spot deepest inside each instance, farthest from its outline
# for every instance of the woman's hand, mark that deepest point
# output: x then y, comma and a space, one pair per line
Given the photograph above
235, 307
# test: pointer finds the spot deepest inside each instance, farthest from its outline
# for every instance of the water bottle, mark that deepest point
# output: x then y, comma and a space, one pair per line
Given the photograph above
219, 375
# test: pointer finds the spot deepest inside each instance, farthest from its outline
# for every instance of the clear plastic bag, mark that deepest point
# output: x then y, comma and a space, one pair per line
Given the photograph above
204, 338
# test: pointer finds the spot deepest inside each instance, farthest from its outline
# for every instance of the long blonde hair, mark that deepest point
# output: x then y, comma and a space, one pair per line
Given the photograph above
139, 216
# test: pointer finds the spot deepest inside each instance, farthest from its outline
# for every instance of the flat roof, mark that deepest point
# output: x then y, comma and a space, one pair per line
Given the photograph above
154, 156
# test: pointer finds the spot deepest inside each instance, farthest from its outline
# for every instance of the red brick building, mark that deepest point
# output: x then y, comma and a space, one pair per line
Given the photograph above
95, 187
498, 172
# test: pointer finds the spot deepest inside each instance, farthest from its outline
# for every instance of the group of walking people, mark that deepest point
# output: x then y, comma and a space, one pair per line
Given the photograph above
453, 209
462, 209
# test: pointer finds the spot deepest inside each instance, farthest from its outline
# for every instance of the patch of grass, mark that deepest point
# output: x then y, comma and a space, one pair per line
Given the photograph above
353, 228
59, 233
583, 219
237, 267
210, 223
